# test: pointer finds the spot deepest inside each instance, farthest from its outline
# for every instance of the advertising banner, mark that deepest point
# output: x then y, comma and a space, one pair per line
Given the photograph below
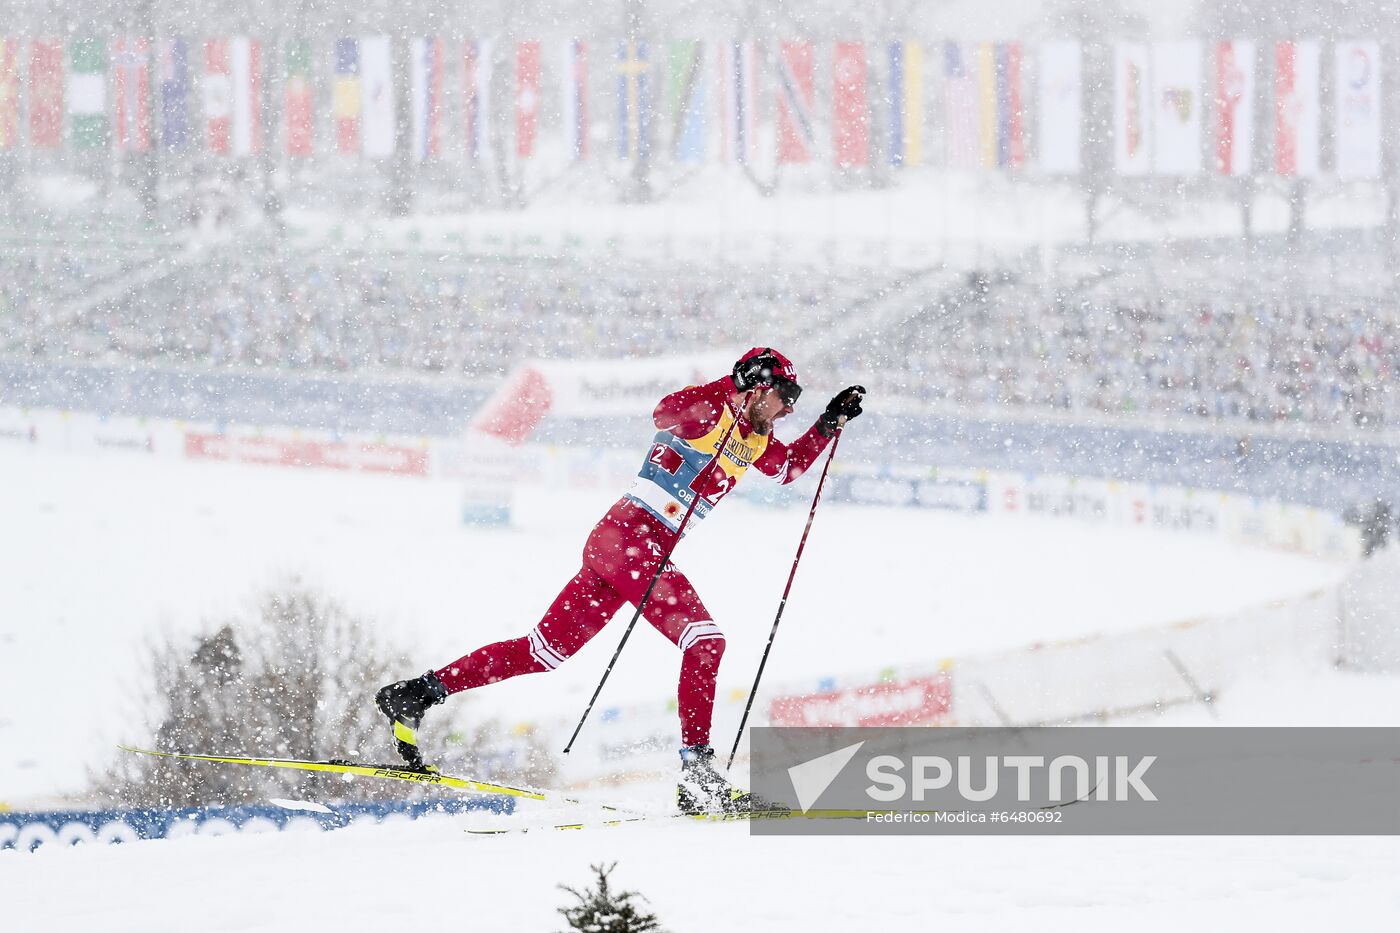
908, 702
281, 451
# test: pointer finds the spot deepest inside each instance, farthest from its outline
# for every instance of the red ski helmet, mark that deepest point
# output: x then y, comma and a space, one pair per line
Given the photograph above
785, 369
784, 374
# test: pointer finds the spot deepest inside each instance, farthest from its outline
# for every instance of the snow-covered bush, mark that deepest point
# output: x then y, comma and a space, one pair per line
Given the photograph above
603, 910
292, 678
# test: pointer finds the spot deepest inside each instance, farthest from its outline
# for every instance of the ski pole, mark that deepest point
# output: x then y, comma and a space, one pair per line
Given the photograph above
782, 604
665, 558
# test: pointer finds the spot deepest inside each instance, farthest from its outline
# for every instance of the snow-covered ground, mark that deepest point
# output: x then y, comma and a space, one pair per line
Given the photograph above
705, 878
717, 877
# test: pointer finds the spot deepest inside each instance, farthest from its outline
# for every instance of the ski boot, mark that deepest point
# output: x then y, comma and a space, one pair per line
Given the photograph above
405, 703
703, 790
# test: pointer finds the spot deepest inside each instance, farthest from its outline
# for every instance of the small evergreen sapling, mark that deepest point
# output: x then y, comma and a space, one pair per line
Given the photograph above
606, 911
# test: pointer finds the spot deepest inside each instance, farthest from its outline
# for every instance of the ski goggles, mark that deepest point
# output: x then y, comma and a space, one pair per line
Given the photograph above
788, 390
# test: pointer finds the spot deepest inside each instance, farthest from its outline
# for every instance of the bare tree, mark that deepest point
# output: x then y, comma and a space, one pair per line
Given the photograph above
292, 680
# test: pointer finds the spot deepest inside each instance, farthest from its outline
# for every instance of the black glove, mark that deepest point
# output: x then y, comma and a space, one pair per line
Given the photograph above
755, 371
846, 404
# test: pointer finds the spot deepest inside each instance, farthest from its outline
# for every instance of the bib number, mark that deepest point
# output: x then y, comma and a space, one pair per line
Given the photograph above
666, 458
713, 483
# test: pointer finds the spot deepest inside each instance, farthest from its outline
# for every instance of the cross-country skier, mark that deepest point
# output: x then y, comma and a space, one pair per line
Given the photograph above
621, 554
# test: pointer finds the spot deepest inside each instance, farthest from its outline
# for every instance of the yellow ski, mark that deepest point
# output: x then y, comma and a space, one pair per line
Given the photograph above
364, 770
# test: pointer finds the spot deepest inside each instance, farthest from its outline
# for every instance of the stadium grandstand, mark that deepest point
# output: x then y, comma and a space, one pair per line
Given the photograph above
1301, 349
1254, 373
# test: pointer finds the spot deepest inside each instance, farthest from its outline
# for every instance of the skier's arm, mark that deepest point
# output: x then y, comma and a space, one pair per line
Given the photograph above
786, 462
695, 410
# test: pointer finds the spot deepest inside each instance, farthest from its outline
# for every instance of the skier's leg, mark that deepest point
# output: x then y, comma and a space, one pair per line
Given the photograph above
623, 550
579, 612
676, 611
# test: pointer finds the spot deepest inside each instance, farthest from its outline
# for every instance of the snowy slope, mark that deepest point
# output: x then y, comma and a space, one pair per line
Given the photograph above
704, 878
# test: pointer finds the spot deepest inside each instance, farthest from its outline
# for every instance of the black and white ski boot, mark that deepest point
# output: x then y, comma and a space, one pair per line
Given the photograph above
703, 790
405, 703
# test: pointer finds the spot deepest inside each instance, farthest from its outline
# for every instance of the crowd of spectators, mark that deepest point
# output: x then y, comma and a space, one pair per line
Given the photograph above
36, 285
1283, 358
1196, 353
477, 320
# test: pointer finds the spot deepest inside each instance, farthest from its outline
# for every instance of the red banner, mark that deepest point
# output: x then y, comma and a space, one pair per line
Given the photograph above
1015, 137
218, 95
795, 102
333, 455
46, 95
299, 103
899, 703
1234, 90
527, 96
513, 413
1285, 139
850, 124
299, 118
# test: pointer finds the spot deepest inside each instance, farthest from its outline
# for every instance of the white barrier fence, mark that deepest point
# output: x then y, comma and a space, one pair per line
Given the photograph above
1101, 676
1369, 630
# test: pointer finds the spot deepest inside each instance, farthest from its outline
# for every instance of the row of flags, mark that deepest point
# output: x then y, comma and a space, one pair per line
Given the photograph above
709, 100
1160, 108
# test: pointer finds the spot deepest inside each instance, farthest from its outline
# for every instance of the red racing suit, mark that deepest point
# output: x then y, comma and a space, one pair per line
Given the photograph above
620, 555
